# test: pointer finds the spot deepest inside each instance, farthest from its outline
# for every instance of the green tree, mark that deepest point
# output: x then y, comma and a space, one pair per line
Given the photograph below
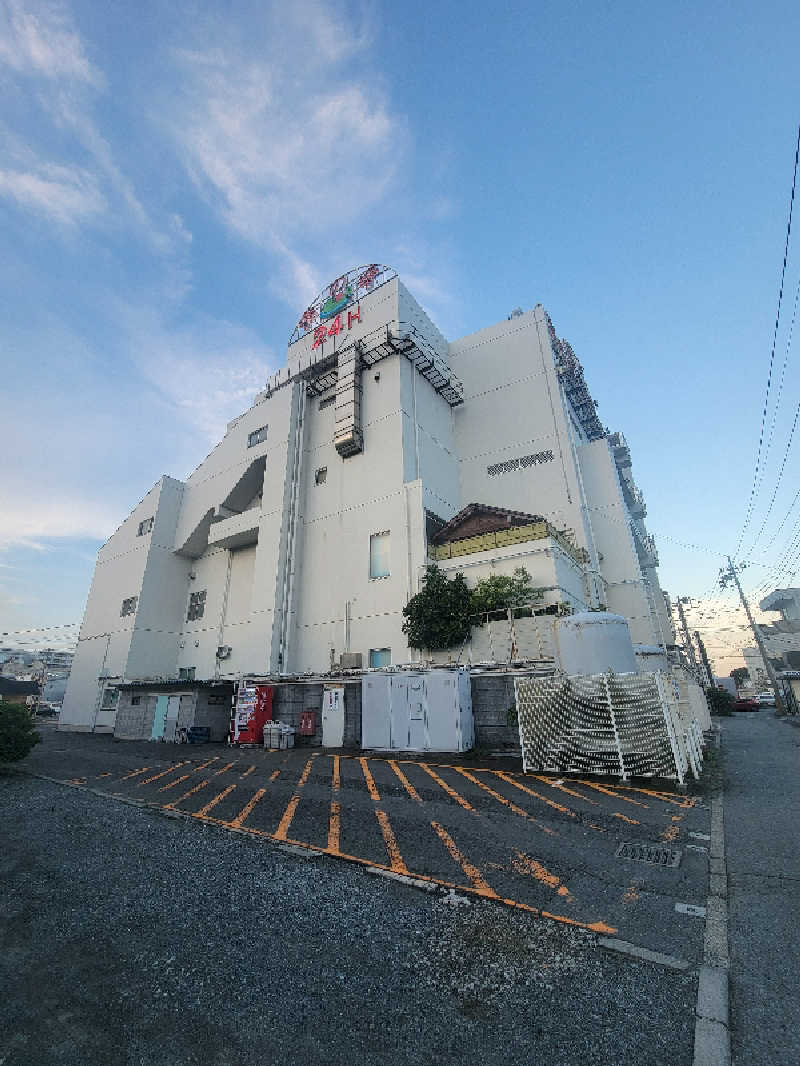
740, 675
439, 615
719, 700
501, 591
17, 735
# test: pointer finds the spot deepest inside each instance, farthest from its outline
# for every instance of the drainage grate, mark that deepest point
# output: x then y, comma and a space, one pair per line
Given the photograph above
654, 854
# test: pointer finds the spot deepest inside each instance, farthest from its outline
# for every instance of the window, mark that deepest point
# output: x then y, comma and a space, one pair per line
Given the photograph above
327, 402
197, 606
145, 527
128, 606
379, 554
321, 476
186, 673
258, 436
110, 698
380, 657
135, 701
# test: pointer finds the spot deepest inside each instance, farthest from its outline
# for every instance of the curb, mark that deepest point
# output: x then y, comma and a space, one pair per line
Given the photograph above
712, 1041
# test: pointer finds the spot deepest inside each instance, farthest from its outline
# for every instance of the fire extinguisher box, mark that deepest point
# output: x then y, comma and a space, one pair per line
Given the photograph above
308, 723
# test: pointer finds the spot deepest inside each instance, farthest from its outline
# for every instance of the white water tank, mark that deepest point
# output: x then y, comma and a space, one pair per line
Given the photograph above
593, 642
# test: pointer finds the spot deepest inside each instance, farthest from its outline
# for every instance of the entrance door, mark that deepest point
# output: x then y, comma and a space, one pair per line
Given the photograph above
333, 717
171, 722
159, 718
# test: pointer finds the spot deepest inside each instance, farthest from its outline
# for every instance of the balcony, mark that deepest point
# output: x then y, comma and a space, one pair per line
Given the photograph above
235, 532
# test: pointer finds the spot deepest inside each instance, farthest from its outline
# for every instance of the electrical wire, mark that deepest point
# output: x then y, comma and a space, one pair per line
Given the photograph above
751, 502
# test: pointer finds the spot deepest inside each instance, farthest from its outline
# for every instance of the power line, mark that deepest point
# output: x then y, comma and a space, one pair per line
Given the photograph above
752, 499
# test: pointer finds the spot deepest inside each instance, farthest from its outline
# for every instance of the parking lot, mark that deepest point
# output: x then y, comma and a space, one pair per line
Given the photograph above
542, 844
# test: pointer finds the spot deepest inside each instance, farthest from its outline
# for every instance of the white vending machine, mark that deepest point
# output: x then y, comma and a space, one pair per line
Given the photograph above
413, 710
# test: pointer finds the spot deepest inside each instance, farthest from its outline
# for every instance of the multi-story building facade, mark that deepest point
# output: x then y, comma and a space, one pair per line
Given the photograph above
304, 533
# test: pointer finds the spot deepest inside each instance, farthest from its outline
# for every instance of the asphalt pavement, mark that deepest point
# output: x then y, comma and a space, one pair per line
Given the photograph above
762, 841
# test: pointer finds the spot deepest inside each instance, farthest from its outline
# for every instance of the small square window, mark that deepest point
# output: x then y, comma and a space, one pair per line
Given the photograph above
128, 606
186, 673
145, 527
197, 606
258, 436
321, 476
379, 554
135, 701
380, 657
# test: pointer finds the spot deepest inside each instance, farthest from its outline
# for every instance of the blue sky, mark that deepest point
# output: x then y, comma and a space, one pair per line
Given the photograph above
177, 182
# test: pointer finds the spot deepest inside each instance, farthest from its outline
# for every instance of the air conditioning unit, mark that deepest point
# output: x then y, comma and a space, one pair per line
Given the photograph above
224, 652
350, 660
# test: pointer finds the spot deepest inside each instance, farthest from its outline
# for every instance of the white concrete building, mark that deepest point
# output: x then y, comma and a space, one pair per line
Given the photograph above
304, 533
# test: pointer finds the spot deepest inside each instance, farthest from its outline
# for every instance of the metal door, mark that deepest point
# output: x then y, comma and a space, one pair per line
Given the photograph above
159, 718
375, 711
417, 715
333, 716
399, 713
171, 721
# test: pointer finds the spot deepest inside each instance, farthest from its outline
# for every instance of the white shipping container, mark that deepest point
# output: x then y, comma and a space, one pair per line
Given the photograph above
417, 711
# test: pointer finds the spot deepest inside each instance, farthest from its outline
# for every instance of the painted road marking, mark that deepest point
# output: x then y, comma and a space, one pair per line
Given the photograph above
476, 880
246, 810
248, 771
186, 795
614, 795
143, 770
371, 787
690, 908
163, 773
405, 782
450, 791
504, 801
335, 820
563, 788
395, 858
291, 807
217, 799
224, 768
523, 788
202, 766
177, 781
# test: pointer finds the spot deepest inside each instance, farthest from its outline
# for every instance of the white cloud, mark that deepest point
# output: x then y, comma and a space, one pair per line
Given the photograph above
67, 194
27, 521
39, 38
287, 150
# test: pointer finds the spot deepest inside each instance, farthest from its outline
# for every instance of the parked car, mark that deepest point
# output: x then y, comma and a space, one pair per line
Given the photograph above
46, 710
746, 703
766, 699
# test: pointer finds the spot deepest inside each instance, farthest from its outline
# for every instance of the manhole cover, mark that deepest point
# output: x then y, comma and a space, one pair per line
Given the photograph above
654, 854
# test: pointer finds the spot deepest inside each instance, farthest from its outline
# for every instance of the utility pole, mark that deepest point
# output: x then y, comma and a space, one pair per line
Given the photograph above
731, 575
687, 640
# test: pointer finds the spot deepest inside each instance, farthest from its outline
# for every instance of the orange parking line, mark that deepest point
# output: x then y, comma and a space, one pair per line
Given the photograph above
538, 795
247, 809
373, 791
177, 781
163, 773
479, 885
563, 788
291, 807
186, 795
406, 783
625, 818
335, 821
202, 766
224, 768
502, 799
106, 773
614, 795
395, 858
450, 791
143, 770
248, 771
217, 799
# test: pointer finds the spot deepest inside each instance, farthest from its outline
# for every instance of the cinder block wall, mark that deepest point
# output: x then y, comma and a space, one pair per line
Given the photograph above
494, 713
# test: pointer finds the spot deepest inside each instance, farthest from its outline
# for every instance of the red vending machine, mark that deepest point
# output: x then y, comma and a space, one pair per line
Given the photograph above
253, 708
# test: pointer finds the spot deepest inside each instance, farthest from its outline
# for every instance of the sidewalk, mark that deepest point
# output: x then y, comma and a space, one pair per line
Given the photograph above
762, 840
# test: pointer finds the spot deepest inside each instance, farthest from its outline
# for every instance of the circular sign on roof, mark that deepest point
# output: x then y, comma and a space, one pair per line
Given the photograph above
345, 290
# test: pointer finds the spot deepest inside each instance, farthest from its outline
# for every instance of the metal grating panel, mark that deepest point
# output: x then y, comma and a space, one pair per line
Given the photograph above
653, 854
625, 725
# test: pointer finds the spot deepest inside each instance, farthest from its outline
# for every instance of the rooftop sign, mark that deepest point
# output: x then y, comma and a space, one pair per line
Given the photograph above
345, 290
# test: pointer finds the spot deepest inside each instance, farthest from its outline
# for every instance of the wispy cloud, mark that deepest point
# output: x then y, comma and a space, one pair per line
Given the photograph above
41, 39
66, 194
287, 151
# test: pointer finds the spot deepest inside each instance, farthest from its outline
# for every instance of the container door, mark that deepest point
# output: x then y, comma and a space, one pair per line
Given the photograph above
398, 712
333, 717
442, 699
375, 711
159, 718
417, 715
